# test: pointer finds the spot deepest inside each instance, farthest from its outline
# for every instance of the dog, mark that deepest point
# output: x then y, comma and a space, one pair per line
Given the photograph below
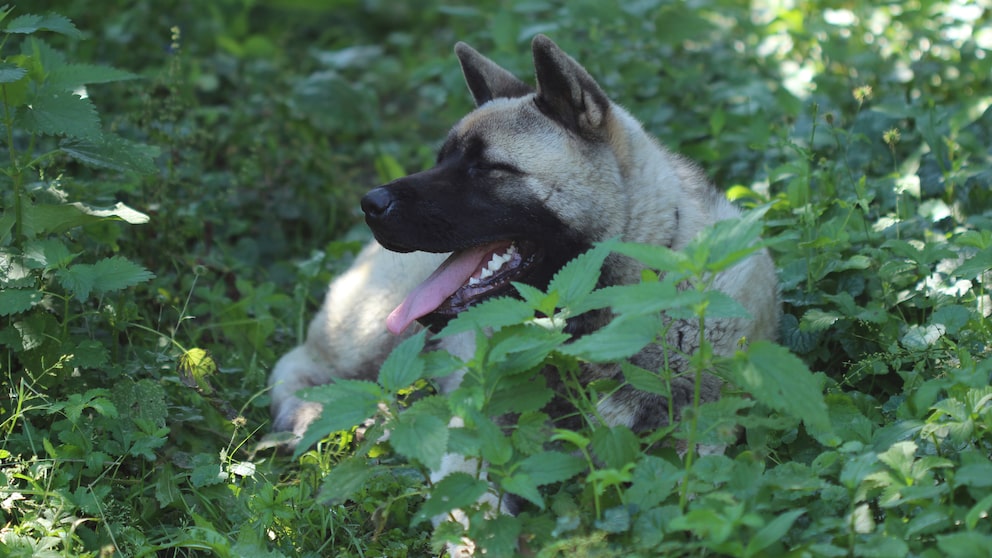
523, 184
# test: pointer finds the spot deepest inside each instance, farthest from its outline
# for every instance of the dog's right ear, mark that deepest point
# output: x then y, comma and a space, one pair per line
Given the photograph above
486, 79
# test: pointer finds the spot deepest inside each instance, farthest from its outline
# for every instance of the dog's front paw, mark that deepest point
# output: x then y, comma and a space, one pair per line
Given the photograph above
295, 371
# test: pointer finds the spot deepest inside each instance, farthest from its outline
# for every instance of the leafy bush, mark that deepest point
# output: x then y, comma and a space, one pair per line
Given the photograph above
134, 353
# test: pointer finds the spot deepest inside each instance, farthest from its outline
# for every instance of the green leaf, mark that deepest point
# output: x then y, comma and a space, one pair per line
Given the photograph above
420, 436
61, 218
108, 275
29, 23
493, 314
551, 466
347, 403
9, 73
531, 432
71, 77
653, 481
59, 113
457, 490
975, 265
656, 257
772, 532
494, 444
344, 480
730, 241
579, 277
403, 366
964, 545
624, 337
113, 152
615, 446
206, 471
777, 378
644, 380
524, 486
15, 301
615, 520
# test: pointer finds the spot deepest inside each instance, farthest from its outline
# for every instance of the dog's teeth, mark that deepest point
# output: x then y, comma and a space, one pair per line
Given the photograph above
472, 281
486, 274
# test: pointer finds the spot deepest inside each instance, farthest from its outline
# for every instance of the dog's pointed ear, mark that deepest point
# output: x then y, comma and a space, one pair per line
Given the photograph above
486, 79
566, 92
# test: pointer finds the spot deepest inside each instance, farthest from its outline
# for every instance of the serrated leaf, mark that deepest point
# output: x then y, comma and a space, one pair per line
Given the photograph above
494, 445
206, 471
77, 280
113, 152
344, 480
975, 265
118, 273
644, 380
15, 301
71, 77
9, 73
640, 298
579, 277
58, 113
777, 378
63, 217
420, 436
615, 446
772, 532
656, 257
494, 314
551, 466
624, 337
403, 366
346, 404
653, 480
615, 520
457, 490
29, 23
817, 320
524, 486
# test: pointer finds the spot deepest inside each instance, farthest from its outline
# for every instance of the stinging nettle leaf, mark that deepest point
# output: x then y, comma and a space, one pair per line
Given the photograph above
118, 273
457, 490
777, 378
29, 23
9, 73
110, 151
73, 76
58, 113
345, 480
622, 338
421, 436
403, 366
15, 301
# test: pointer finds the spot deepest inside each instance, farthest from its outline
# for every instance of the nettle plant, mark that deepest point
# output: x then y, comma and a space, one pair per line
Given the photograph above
627, 482
63, 294
47, 287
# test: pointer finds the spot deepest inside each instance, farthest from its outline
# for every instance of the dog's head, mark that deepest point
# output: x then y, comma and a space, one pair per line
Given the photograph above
523, 184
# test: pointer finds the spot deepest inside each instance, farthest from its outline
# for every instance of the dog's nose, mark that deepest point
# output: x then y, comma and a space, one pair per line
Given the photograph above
376, 203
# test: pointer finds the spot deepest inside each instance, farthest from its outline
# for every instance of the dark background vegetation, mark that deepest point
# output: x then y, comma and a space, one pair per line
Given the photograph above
868, 126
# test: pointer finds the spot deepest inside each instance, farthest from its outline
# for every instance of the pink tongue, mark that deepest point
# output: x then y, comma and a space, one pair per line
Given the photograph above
446, 279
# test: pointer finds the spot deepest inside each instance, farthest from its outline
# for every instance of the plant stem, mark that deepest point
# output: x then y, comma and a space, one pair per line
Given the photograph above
16, 175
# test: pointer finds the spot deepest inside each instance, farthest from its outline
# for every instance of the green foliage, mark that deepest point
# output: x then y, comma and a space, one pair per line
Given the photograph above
167, 228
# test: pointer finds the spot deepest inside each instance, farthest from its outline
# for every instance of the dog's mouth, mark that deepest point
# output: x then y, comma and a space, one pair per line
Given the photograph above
465, 278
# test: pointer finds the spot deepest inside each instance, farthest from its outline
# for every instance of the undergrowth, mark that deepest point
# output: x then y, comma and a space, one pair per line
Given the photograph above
167, 230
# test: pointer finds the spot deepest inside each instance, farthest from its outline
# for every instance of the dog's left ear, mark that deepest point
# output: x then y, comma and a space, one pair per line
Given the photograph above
566, 92
486, 79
